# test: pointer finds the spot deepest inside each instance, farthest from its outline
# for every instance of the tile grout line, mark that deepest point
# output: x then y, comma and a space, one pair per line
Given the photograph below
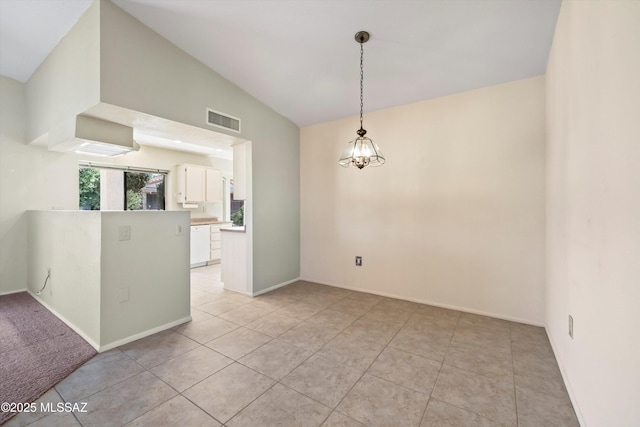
163, 381
313, 353
513, 372
435, 383
112, 385
370, 364
486, 376
316, 352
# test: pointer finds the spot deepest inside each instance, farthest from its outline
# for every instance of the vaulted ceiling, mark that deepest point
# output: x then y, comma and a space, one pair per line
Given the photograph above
300, 57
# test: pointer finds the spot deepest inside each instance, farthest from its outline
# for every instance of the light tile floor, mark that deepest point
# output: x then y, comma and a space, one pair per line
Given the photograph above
314, 355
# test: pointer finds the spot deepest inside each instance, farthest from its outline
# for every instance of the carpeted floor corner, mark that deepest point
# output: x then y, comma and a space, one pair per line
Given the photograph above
37, 350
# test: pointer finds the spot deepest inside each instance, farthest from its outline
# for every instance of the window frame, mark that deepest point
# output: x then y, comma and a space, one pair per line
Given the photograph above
125, 168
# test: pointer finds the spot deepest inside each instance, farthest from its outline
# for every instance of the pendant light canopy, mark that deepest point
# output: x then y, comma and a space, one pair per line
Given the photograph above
362, 151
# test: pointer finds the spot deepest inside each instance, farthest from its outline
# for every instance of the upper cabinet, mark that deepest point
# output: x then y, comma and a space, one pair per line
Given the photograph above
193, 189
197, 184
213, 185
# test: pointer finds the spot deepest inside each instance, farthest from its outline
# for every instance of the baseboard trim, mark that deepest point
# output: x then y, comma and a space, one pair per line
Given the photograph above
75, 329
428, 302
143, 334
565, 379
102, 348
13, 292
274, 287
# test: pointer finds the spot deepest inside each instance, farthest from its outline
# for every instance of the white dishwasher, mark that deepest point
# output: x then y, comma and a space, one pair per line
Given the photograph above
200, 241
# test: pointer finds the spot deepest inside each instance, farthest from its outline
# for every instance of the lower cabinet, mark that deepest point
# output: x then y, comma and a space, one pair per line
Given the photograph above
215, 242
234, 261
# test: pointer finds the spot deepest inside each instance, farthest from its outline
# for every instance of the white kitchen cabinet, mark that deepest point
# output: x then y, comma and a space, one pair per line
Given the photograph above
214, 242
234, 260
213, 185
190, 183
196, 184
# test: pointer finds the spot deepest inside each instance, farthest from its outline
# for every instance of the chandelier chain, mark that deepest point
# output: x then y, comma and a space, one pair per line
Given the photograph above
361, 79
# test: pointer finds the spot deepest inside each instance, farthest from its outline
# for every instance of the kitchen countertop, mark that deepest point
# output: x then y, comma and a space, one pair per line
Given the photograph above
207, 221
236, 229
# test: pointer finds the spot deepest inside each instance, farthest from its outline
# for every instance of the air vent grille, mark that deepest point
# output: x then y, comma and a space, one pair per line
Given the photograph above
221, 120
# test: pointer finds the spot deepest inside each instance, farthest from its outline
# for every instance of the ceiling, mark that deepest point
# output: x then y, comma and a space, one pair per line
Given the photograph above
300, 57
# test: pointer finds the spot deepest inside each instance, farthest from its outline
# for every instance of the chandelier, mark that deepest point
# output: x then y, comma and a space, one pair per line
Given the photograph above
362, 151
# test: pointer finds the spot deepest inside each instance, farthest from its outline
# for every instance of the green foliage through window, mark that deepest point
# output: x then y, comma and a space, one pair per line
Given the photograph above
121, 189
238, 217
89, 186
134, 182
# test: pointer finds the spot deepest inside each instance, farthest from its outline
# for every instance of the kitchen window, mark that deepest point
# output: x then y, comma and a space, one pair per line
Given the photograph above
237, 208
111, 187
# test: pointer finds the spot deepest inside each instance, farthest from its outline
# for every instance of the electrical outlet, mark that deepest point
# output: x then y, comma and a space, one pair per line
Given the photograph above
359, 261
571, 326
124, 232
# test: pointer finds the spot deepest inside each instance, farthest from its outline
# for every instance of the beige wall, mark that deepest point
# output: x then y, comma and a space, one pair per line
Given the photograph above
456, 215
593, 116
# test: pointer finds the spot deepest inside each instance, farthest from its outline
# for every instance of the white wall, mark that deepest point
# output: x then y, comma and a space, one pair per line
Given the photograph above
456, 215
13, 243
153, 267
30, 178
68, 80
67, 243
91, 268
593, 117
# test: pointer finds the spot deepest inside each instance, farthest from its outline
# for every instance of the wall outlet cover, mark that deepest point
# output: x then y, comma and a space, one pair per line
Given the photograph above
124, 232
571, 326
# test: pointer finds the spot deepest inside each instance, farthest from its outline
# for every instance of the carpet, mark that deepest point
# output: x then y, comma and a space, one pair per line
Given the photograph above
37, 350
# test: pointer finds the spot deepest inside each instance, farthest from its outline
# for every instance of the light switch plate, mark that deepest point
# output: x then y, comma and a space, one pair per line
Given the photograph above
571, 326
124, 232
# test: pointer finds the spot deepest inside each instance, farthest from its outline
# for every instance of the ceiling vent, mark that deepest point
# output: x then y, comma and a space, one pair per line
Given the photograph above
224, 121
